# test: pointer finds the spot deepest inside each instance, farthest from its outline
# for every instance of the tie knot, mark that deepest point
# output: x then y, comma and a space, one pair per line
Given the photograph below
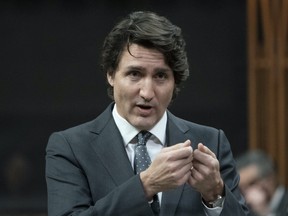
142, 137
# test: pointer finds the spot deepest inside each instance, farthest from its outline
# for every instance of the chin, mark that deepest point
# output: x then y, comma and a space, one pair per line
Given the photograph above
145, 126
144, 123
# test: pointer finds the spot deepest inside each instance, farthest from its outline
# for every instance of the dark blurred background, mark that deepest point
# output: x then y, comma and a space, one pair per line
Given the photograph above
50, 78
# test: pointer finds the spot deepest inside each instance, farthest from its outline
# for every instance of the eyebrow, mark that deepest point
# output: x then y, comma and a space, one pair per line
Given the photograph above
162, 69
133, 67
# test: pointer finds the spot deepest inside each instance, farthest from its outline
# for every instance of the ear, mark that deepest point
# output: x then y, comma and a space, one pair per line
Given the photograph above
110, 79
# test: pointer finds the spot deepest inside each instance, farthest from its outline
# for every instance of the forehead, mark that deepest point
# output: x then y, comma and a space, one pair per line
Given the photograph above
249, 174
138, 53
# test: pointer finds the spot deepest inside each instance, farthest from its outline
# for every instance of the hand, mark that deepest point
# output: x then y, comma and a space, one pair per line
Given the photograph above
257, 198
205, 176
170, 168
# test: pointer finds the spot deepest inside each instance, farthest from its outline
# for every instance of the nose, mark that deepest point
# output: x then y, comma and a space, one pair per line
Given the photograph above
147, 90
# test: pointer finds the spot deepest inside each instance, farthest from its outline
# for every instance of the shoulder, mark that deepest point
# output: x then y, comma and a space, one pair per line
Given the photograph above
86, 131
198, 133
283, 204
184, 124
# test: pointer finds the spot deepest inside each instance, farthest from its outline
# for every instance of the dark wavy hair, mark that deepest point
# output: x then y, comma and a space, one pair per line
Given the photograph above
151, 31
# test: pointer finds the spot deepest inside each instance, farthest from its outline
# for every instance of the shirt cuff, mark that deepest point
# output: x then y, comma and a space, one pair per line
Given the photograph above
216, 211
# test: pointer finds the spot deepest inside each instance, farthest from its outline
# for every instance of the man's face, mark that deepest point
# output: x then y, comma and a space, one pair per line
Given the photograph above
249, 176
143, 86
257, 190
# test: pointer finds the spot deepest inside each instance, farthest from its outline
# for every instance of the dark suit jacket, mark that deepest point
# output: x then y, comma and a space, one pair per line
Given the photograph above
88, 172
282, 209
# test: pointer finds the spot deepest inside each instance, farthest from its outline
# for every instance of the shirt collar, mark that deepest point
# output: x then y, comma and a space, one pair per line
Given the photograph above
128, 131
276, 198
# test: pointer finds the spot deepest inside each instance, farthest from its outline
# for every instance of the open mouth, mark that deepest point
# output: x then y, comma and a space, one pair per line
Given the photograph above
144, 110
145, 107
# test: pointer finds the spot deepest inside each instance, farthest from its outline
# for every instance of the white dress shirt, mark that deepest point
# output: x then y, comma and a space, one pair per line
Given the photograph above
154, 145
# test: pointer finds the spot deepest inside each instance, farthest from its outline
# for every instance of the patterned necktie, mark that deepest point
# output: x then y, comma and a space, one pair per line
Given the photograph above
142, 161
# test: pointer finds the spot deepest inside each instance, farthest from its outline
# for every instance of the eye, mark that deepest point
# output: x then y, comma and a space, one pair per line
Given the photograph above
134, 74
161, 76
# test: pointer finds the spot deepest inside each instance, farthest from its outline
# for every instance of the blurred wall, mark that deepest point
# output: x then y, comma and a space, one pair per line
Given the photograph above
50, 78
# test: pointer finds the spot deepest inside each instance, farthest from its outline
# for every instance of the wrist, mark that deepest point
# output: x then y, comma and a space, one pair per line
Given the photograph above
147, 186
218, 192
218, 202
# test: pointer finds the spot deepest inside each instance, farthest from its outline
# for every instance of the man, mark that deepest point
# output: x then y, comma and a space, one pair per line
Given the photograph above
260, 185
92, 169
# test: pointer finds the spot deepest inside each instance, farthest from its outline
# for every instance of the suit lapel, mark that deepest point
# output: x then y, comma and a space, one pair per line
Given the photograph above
175, 134
110, 149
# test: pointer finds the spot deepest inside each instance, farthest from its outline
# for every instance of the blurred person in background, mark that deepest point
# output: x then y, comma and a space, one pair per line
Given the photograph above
260, 186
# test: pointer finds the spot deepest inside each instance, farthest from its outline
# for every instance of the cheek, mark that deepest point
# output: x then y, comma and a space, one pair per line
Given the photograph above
124, 91
169, 93
165, 98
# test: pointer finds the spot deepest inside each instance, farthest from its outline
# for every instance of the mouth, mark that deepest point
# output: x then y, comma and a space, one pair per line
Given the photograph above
144, 106
144, 109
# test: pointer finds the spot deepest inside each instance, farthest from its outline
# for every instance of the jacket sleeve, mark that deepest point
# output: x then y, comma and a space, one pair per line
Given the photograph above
69, 192
234, 202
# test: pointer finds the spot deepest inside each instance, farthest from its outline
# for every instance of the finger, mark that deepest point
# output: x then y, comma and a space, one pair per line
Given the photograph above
200, 168
183, 160
204, 158
195, 174
185, 167
185, 173
172, 148
183, 155
186, 144
206, 150
180, 154
200, 156
192, 182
